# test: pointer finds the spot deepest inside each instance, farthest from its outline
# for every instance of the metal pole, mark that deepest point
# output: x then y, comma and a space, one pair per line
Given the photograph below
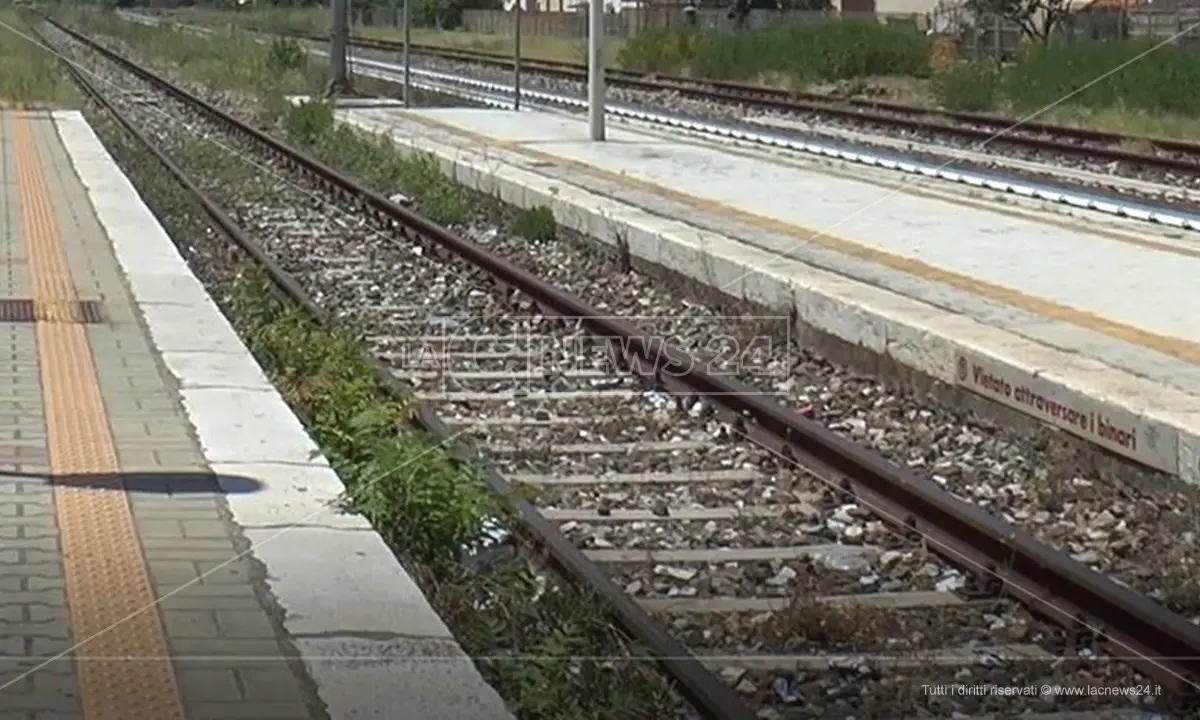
340, 30
596, 69
407, 59
517, 60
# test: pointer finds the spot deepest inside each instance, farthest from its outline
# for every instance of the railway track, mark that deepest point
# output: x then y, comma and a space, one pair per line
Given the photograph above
1133, 151
814, 578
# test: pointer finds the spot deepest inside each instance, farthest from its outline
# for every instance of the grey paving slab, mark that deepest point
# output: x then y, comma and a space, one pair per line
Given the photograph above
33, 602
220, 619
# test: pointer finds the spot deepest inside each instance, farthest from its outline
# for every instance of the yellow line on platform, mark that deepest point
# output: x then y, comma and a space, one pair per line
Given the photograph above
124, 668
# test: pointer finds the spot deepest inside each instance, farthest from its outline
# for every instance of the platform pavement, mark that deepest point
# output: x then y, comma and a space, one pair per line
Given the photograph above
1084, 321
169, 546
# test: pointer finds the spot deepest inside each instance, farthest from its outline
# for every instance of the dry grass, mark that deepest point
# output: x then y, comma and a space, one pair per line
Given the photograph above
535, 47
1127, 122
316, 20
29, 78
918, 91
807, 616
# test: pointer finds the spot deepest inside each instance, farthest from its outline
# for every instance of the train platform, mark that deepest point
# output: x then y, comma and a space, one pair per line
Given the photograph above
1078, 319
169, 544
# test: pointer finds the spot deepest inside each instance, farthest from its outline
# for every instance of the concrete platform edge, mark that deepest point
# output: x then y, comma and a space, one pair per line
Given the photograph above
370, 641
946, 346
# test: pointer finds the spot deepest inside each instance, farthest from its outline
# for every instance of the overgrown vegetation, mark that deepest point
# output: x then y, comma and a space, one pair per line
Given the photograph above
226, 58
393, 477
375, 160
1087, 76
970, 86
545, 646
29, 77
804, 52
1149, 79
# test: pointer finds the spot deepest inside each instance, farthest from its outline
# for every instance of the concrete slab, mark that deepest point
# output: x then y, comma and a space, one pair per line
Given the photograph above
428, 674
935, 284
191, 328
217, 370
236, 426
357, 564
168, 289
986, 246
301, 495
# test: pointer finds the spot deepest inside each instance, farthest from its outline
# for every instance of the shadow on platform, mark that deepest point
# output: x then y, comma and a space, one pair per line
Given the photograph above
164, 483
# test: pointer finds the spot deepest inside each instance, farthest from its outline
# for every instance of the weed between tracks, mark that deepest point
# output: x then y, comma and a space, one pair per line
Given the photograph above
548, 648
373, 160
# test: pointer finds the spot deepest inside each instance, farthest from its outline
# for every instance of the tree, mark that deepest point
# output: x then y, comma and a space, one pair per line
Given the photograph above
1037, 19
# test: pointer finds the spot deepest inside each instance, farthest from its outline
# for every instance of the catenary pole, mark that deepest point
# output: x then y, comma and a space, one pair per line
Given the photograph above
340, 30
596, 70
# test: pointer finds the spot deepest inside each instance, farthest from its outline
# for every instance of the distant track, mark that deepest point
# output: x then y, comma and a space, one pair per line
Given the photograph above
1164, 154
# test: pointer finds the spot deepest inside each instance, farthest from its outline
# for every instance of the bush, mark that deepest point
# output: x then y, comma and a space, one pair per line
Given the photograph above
967, 86
662, 50
308, 122
1166, 80
285, 54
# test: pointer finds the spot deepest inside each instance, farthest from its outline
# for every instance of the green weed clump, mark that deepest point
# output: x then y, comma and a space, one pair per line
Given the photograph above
428, 507
971, 86
375, 160
536, 224
664, 50
810, 51
286, 55
1166, 80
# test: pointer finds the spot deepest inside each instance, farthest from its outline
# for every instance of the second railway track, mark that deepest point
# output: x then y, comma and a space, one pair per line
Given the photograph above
1100, 147
808, 574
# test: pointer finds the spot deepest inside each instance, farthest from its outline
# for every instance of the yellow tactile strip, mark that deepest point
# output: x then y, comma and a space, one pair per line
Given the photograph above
124, 668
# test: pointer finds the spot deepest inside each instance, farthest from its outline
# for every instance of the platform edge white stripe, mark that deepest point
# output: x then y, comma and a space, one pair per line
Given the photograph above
343, 588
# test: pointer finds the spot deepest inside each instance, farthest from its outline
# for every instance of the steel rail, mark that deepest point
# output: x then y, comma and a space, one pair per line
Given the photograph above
711, 697
1003, 558
971, 126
